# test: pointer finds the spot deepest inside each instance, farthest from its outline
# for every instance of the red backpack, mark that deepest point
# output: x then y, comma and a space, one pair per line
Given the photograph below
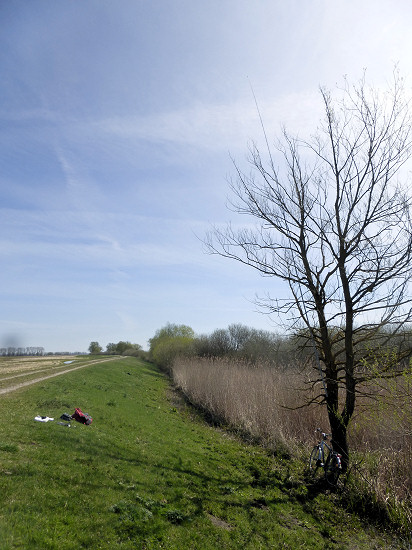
82, 417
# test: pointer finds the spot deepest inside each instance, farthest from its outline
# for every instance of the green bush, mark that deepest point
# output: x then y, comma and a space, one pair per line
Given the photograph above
170, 342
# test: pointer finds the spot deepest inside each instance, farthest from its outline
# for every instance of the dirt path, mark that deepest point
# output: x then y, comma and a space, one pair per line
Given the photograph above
28, 373
30, 382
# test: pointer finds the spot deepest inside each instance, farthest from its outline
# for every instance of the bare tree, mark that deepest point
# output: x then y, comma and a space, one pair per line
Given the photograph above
334, 222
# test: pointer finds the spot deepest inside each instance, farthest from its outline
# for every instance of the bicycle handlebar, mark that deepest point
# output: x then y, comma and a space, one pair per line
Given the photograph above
324, 435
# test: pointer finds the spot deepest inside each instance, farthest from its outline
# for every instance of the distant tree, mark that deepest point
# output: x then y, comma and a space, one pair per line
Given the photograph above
246, 343
239, 334
219, 343
263, 345
95, 348
121, 347
223, 341
169, 342
334, 223
111, 348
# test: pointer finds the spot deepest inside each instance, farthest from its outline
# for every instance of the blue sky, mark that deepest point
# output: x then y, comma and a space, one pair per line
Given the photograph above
117, 122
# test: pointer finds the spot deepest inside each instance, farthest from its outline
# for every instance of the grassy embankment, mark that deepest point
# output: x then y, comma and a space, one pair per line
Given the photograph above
149, 473
265, 403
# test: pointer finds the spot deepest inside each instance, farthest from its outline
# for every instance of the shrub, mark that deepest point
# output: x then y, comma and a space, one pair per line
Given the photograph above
169, 343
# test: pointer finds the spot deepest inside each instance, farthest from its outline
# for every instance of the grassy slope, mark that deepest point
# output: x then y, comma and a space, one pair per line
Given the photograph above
149, 474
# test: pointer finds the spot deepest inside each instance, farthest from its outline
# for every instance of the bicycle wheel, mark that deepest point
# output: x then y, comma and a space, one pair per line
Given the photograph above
314, 462
332, 469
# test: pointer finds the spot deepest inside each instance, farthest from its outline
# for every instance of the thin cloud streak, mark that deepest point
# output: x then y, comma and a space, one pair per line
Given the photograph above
217, 125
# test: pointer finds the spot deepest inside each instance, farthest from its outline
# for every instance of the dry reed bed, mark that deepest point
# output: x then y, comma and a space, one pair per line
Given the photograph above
252, 399
265, 401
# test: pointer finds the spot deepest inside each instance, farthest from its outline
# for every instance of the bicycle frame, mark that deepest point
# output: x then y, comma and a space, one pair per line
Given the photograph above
332, 465
321, 446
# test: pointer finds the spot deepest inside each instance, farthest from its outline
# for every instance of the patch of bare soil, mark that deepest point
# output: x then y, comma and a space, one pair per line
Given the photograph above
217, 522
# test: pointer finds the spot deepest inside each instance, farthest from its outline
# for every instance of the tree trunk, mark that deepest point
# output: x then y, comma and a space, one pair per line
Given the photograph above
339, 436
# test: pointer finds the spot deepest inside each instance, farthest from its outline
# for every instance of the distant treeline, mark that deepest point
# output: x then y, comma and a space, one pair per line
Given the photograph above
254, 346
15, 352
237, 340
121, 348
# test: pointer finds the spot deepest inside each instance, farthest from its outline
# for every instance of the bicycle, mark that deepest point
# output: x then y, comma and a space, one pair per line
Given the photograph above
332, 464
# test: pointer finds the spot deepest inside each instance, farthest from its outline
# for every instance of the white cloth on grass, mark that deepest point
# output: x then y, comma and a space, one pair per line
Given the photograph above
43, 418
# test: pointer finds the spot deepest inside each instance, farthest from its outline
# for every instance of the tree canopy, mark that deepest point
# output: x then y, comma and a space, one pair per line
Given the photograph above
169, 342
95, 347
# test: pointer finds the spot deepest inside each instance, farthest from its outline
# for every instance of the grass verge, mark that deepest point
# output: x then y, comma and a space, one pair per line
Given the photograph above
150, 474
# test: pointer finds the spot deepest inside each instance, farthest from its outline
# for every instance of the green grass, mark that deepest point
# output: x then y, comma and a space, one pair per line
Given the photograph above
150, 474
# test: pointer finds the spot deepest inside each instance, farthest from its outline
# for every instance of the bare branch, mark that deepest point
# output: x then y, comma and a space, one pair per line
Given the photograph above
333, 221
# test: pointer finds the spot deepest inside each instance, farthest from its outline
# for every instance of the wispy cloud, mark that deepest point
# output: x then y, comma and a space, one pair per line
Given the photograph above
217, 126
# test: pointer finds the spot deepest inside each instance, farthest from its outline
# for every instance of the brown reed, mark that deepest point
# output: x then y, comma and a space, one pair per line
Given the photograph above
267, 402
